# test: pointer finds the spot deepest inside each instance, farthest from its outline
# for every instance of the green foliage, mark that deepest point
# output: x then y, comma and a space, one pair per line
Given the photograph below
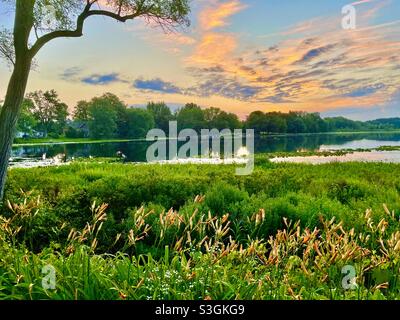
218, 119
102, 119
342, 124
48, 111
73, 133
295, 124
81, 112
224, 198
256, 121
139, 122
297, 192
64, 13
257, 252
345, 192
26, 121
392, 123
161, 114
303, 122
108, 117
191, 116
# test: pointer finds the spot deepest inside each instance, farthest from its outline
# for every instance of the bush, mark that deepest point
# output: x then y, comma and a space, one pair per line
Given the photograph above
73, 133
346, 192
223, 198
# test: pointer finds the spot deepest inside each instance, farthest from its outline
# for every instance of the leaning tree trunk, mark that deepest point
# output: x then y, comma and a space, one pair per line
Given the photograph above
16, 87
9, 114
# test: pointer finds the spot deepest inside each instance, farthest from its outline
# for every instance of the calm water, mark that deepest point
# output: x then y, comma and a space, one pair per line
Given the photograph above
136, 151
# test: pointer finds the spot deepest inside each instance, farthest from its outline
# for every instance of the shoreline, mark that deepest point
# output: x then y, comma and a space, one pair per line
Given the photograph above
42, 142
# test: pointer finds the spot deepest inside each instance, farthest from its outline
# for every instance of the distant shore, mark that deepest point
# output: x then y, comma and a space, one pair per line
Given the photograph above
52, 141
20, 142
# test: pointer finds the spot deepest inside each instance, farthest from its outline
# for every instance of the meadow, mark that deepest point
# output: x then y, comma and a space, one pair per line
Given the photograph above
138, 231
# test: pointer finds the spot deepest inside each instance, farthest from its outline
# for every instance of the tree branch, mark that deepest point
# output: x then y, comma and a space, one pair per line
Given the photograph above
62, 33
7, 50
113, 15
78, 32
8, 55
165, 18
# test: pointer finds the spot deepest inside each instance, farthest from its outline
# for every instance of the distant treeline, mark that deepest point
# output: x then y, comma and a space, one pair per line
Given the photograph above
105, 117
303, 122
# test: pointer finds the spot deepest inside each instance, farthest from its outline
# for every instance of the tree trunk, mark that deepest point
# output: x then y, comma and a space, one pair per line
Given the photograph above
9, 115
16, 87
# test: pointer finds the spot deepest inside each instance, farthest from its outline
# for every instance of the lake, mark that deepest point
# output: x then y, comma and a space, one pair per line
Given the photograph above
136, 151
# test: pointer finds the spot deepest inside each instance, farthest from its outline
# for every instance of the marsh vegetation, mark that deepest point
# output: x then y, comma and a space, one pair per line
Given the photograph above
113, 231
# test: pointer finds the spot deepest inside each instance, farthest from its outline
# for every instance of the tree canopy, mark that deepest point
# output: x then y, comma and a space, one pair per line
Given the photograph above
139, 122
107, 116
161, 114
48, 110
191, 116
52, 19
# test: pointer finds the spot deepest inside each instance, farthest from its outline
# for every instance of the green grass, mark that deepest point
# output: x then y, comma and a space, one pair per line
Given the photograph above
222, 245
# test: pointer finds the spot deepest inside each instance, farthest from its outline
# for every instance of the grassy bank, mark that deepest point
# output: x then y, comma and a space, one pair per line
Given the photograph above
115, 231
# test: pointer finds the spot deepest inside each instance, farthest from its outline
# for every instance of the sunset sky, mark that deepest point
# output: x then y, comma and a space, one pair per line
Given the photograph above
238, 55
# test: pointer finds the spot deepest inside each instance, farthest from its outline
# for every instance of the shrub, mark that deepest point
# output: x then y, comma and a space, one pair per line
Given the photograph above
223, 198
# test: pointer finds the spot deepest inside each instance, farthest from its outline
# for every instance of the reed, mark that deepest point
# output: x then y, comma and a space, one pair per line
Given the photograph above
202, 259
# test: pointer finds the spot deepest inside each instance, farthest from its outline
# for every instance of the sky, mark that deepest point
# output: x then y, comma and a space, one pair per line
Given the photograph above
237, 55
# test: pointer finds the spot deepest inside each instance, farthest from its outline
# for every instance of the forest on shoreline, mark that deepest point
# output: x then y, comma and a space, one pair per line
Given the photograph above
44, 115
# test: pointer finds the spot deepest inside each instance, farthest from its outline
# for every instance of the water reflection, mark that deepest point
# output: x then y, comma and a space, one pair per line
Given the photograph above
373, 156
136, 151
326, 142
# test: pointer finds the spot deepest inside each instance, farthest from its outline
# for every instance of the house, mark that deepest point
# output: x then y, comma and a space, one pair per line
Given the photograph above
31, 134
81, 127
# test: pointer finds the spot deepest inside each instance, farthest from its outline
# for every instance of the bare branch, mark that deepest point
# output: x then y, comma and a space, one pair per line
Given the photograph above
7, 50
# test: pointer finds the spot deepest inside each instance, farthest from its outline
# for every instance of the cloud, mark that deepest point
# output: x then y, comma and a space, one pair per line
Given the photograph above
365, 91
313, 65
215, 85
70, 74
220, 85
316, 65
315, 53
278, 98
388, 110
75, 74
217, 15
102, 79
213, 48
157, 85
214, 69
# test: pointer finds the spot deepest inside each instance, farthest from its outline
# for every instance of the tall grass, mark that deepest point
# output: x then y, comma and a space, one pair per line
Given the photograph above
201, 258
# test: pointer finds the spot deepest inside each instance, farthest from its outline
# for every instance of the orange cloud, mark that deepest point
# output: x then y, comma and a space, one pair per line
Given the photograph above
213, 48
217, 15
